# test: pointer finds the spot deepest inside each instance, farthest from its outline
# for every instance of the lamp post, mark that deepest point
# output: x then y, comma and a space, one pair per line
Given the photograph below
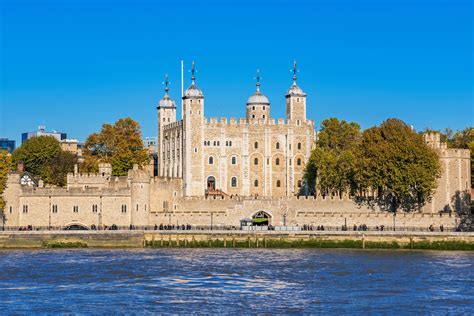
394, 216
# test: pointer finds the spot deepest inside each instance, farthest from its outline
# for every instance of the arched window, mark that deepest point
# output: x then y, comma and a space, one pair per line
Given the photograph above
298, 162
277, 145
278, 183
277, 161
211, 160
234, 160
255, 183
299, 183
255, 145
233, 182
255, 161
299, 145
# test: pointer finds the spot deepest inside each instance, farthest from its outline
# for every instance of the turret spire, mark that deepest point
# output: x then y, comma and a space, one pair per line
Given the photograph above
192, 73
258, 80
295, 70
166, 83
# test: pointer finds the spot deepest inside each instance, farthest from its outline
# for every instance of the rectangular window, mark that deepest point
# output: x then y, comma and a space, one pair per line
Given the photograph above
165, 206
124, 208
55, 208
11, 209
75, 209
25, 209
94, 208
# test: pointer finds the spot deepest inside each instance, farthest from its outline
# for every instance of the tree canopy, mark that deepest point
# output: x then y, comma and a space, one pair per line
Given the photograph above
119, 144
331, 165
390, 159
43, 157
5, 166
396, 163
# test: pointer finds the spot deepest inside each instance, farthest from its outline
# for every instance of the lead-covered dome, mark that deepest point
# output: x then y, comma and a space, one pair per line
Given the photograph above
257, 98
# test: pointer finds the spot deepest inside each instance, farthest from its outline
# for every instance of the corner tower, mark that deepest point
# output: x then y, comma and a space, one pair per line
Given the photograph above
193, 117
258, 106
295, 101
166, 115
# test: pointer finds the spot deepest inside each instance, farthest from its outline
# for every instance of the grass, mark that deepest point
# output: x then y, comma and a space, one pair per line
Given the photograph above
309, 243
64, 244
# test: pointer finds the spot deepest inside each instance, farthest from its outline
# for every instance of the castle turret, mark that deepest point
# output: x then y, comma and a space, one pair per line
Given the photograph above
295, 101
258, 106
193, 116
166, 115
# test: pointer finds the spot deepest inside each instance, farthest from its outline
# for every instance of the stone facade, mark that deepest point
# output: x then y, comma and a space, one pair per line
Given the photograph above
252, 156
255, 164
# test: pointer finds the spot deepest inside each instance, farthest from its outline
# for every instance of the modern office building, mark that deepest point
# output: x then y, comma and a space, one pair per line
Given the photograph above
7, 144
42, 132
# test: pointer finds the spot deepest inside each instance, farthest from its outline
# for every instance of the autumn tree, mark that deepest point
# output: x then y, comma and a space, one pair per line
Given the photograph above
119, 144
330, 168
394, 161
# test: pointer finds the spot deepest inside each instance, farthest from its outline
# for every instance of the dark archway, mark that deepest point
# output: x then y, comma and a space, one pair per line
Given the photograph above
211, 183
76, 226
261, 218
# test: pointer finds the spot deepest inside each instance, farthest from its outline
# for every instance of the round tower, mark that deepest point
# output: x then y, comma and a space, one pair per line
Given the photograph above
295, 101
166, 115
258, 106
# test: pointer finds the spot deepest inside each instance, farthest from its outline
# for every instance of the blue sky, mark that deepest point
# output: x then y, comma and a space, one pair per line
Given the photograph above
73, 65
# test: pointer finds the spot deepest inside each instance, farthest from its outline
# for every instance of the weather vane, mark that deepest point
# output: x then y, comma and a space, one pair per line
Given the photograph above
258, 79
294, 70
166, 83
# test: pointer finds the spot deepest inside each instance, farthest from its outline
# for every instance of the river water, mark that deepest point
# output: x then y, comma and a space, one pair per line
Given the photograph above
236, 281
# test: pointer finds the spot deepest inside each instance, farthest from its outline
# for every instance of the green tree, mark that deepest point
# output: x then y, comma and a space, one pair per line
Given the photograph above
44, 158
5, 167
394, 161
37, 154
119, 144
331, 165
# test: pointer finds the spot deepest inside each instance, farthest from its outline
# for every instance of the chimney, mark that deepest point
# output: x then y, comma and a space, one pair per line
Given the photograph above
20, 167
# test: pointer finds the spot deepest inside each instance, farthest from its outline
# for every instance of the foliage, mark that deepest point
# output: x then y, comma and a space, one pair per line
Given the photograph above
395, 161
331, 165
119, 144
5, 166
43, 157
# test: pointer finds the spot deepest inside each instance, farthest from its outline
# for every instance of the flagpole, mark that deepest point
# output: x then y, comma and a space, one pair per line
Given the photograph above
182, 87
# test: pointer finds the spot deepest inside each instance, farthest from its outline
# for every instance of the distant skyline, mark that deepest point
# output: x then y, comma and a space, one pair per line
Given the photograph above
74, 65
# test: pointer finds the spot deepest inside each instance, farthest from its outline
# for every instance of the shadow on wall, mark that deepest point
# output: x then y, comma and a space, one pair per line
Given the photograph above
461, 201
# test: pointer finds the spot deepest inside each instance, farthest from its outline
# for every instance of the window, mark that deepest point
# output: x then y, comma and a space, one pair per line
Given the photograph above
253, 115
94, 208
11, 209
137, 207
255, 145
264, 109
299, 145
234, 160
253, 108
233, 182
278, 183
299, 183
255, 183
255, 161
277, 145
25, 209
55, 208
264, 116
124, 208
75, 209
165, 206
297, 99
289, 160
298, 162
195, 149
211, 160
277, 161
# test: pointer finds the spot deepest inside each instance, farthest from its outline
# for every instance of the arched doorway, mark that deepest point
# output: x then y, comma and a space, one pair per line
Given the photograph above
76, 226
261, 218
211, 183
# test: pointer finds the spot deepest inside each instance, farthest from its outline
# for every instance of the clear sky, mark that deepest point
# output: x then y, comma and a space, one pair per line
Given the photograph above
73, 65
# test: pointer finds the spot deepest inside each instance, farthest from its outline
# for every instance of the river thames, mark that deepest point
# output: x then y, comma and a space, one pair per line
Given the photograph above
224, 281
